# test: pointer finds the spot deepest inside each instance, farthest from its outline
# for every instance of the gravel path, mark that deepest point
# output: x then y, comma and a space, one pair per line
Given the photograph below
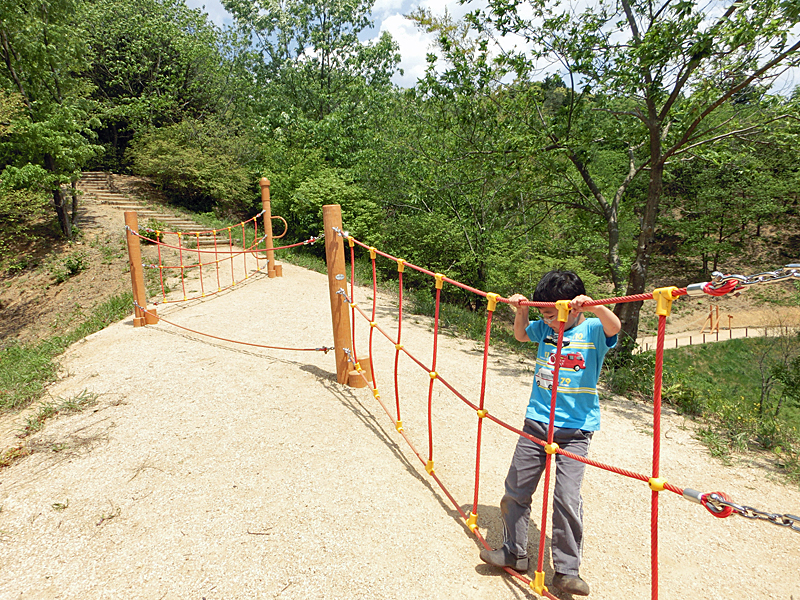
211, 470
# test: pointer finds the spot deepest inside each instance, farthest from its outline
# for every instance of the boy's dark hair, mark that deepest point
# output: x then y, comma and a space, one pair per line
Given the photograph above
558, 285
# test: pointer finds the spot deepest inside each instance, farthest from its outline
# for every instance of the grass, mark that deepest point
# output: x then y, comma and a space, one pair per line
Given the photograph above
26, 369
60, 406
731, 390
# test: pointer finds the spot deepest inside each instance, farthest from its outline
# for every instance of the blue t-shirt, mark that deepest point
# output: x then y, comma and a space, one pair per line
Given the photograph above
584, 348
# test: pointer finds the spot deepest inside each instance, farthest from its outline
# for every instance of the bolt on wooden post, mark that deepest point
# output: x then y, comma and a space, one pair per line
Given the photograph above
140, 317
337, 280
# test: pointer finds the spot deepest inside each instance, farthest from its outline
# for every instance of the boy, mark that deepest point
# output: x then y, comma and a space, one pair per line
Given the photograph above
577, 417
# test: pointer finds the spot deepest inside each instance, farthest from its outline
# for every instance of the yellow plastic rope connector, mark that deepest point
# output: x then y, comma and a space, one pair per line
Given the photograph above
563, 310
439, 280
376, 393
538, 583
491, 301
551, 448
429, 467
482, 413
433, 374
472, 521
372, 252
664, 297
351, 241
399, 426
373, 324
352, 305
401, 265
657, 484
398, 346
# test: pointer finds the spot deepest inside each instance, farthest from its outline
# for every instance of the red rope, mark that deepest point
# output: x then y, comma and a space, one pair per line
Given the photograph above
324, 349
353, 303
216, 260
244, 258
183, 279
433, 374
372, 321
486, 339
550, 434
549, 458
398, 342
161, 274
662, 323
200, 262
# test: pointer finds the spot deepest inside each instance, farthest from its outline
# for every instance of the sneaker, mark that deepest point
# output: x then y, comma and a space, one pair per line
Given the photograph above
572, 584
503, 558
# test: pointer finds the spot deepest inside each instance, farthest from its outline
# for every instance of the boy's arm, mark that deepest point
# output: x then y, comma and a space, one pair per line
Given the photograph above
521, 319
610, 321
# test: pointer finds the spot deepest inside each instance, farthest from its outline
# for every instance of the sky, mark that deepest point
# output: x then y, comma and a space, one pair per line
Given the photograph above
415, 44
388, 16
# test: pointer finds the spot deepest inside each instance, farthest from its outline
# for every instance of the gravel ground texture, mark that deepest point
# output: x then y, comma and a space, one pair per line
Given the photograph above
209, 469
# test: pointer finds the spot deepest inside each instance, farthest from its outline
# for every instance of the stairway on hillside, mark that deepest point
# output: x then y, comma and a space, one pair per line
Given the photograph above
97, 185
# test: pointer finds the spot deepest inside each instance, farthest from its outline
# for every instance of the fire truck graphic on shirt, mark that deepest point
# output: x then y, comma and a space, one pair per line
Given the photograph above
570, 360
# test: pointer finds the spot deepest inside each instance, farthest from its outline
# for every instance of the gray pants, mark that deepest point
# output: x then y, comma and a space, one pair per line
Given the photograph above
523, 476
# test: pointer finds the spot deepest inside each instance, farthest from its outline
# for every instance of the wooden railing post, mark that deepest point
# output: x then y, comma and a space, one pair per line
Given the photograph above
265, 203
337, 280
140, 318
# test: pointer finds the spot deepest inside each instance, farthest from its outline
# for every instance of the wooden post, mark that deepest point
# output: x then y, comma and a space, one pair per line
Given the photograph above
265, 203
337, 280
137, 274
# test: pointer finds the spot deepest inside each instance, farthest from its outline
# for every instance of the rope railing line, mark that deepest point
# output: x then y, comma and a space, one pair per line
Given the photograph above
160, 318
237, 252
202, 231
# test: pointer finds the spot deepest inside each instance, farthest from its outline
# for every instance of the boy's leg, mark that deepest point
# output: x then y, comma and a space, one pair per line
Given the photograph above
523, 477
567, 543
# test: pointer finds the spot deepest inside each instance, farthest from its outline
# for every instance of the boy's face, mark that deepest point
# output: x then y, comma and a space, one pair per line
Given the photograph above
550, 318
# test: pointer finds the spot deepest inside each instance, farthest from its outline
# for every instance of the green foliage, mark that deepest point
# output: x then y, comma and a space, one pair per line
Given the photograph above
153, 231
155, 63
630, 374
200, 165
43, 53
19, 211
743, 392
68, 266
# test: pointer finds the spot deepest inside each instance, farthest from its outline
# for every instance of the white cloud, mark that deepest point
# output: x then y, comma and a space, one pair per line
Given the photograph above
214, 9
385, 8
414, 47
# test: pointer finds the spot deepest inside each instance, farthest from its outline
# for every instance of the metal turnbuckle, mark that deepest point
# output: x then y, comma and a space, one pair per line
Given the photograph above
748, 512
792, 271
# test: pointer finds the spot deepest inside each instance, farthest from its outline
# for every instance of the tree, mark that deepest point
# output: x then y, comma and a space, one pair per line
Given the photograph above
661, 72
319, 82
43, 54
157, 62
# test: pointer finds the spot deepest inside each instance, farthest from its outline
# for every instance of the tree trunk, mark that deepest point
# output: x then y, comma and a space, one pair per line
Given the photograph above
628, 312
62, 210
74, 193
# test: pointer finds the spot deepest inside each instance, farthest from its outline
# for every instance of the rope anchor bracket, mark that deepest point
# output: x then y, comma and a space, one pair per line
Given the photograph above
664, 298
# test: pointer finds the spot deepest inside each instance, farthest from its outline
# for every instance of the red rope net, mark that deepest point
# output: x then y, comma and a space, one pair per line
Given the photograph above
656, 483
214, 254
